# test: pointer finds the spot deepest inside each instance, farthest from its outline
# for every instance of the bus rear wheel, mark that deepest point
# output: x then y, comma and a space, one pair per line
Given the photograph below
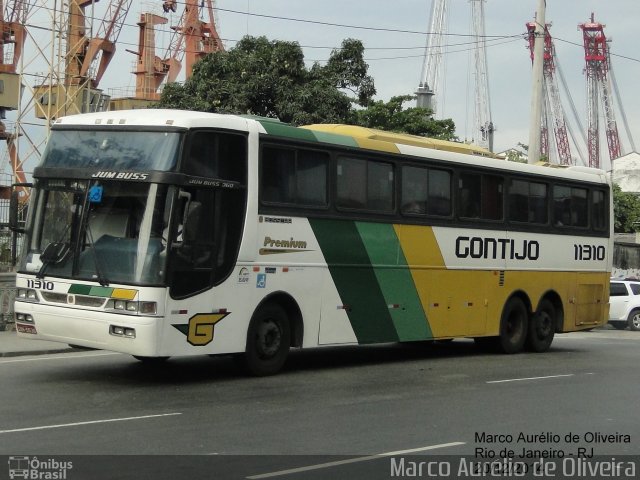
542, 327
268, 340
513, 326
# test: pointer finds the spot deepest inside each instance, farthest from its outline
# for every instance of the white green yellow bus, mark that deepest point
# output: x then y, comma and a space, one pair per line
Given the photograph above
163, 233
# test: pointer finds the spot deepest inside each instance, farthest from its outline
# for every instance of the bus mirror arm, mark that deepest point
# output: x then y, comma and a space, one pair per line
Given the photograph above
14, 206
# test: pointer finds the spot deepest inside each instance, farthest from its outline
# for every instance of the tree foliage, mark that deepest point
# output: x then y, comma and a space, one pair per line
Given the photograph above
270, 79
626, 211
392, 117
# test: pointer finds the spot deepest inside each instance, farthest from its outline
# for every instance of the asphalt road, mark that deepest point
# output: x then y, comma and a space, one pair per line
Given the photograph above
326, 414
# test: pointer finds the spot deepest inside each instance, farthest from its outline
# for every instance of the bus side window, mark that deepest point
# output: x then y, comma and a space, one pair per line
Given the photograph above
297, 177
365, 185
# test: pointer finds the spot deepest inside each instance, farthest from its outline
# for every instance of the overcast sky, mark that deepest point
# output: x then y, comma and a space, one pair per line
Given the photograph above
395, 58
394, 34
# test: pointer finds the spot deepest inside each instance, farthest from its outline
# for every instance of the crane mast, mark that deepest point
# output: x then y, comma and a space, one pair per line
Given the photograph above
597, 59
85, 60
553, 106
482, 114
430, 77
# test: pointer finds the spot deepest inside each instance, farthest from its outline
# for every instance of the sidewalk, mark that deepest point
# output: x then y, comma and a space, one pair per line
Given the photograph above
11, 346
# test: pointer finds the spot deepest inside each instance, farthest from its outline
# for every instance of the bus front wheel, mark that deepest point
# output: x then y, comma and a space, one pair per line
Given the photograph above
542, 327
513, 326
268, 340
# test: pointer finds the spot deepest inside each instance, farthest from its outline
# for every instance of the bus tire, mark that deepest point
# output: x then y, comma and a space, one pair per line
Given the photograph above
513, 326
268, 340
634, 320
542, 327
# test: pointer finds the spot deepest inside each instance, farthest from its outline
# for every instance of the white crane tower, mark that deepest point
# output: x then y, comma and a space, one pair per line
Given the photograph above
483, 124
431, 76
429, 90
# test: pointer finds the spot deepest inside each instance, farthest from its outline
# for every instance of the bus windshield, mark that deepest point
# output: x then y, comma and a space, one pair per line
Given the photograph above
105, 231
112, 149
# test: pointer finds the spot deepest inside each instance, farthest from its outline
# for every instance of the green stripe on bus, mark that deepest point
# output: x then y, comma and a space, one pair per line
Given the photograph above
77, 289
395, 280
355, 280
284, 130
336, 139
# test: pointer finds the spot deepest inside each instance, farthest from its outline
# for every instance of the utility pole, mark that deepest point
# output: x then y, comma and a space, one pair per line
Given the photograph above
537, 77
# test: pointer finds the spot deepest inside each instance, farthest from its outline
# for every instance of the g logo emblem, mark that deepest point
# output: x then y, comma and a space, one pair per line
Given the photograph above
201, 328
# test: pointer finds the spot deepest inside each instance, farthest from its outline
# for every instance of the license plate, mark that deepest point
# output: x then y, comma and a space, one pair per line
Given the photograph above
22, 328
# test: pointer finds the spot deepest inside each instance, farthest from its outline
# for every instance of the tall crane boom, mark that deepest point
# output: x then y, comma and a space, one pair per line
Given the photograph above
430, 77
597, 59
552, 98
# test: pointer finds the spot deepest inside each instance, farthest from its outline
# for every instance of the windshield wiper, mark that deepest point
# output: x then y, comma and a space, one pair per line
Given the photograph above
54, 253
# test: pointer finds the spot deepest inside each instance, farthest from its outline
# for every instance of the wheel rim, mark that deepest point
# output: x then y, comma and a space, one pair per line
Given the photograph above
636, 320
269, 339
543, 325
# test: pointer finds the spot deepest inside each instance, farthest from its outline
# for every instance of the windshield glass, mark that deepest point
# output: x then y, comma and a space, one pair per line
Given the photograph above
110, 232
111, 149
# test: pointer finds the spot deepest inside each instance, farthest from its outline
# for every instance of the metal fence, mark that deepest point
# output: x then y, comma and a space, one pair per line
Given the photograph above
9, 248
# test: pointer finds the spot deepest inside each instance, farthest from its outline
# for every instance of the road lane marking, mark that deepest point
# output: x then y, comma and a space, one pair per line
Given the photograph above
530, 378
352, 460
92, 422
59, 356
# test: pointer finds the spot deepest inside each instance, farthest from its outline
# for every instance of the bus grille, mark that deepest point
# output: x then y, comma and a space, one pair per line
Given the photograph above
81, 300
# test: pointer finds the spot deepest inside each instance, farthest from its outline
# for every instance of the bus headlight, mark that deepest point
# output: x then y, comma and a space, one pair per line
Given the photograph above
148, 308
23, 317
133, 308
118, 331
27, 295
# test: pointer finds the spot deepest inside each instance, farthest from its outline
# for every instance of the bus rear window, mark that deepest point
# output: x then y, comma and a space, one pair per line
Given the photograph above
570, 206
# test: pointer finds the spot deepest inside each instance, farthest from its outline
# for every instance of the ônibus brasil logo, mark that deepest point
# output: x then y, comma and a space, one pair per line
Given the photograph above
38, 469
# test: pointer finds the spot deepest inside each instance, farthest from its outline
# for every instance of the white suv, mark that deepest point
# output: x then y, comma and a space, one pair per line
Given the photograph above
624, 304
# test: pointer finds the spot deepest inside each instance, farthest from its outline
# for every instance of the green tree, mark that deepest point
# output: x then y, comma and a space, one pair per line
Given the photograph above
626, 211
392, 117
515, 155
270, 79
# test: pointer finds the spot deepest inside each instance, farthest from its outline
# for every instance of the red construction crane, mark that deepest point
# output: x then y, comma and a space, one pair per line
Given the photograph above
101, 48
13, 17
85, 62
150, 70
553, 106
192, 37
596, 55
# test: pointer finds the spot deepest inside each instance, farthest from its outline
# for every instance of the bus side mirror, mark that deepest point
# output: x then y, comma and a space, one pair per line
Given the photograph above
15, 206
187, 231
191, 222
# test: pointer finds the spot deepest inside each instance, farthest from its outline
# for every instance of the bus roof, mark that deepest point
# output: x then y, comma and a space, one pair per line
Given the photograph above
337, 134
401, 138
